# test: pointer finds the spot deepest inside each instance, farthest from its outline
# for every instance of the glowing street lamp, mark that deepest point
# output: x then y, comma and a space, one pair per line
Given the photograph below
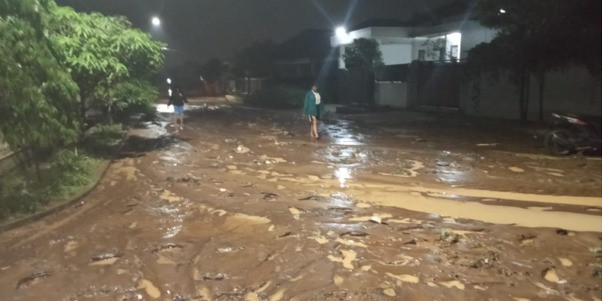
502, 11
341, 33
156, 21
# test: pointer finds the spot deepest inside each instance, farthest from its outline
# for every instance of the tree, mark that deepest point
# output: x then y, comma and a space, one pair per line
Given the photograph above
256, 61
101, 52
365, 58
212, 72
38, 108
535, 37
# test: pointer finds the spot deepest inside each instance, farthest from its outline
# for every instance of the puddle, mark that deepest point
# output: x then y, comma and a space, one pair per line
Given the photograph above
347, 259
405, 278
338, 280
412, 198
149, 288
295, 212
454, 283
169, 196
351, 243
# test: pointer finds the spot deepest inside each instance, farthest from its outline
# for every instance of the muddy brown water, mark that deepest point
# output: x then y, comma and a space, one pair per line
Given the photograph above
241, 205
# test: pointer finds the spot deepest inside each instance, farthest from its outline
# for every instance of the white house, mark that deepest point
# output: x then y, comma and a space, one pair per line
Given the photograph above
448, 41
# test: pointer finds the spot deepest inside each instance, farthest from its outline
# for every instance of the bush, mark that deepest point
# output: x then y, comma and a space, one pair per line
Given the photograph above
278, 96
103, 139
21, 192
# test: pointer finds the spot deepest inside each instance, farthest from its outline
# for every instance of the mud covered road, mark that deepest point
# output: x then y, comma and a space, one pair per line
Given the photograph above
242, 205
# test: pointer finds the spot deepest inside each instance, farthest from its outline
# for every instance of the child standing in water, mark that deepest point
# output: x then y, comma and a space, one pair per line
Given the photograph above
312, 107
177, 99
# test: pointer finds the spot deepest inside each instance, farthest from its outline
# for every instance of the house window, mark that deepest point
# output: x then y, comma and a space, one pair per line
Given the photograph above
422, 55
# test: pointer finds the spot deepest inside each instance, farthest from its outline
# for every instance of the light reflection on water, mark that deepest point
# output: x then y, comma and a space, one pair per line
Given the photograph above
343, 174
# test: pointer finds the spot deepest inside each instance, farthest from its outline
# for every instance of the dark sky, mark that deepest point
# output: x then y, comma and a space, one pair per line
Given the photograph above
203, 29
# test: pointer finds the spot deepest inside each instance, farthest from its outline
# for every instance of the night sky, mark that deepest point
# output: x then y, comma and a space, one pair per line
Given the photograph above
204, 29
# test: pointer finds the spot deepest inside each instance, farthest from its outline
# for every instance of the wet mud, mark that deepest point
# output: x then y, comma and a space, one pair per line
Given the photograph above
242, 205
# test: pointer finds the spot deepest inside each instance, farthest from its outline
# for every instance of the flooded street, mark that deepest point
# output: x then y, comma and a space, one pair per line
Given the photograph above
242, 205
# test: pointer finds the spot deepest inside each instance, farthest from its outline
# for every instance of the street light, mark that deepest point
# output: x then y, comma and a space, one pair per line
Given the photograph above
156, 21
341, 33
502, 11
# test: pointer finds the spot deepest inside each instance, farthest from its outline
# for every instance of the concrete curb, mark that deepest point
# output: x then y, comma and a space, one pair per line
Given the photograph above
39, 215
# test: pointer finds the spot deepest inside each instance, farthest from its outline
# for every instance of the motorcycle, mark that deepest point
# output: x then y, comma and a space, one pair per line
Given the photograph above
570, 133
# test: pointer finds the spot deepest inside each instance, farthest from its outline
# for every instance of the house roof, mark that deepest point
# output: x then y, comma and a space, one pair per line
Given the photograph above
310, 43
378, 23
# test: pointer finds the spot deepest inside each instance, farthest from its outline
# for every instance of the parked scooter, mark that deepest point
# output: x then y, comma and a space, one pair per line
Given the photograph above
570, 133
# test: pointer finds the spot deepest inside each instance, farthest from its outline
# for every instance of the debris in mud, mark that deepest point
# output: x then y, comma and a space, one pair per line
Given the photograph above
562, 232
389, 292
215, 277
311, 198
229, 249
410, 242
565, 262
186, 179
241, 149
551, 276
597, 272
378, 220
269, 195
516, 169
167, 246
106, 258
526, 239
286, 234
354, 233
454, 283
32, 279
442, 163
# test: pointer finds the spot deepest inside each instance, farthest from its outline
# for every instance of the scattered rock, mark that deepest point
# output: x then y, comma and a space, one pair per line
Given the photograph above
241, 149
562, 232
354, 233
389, 292
551, 276
269, 195
565, 262
516, 169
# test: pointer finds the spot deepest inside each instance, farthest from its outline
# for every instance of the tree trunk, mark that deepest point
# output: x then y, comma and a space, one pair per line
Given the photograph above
542, 82
36, 163
521, 94
248, 85
527, 95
